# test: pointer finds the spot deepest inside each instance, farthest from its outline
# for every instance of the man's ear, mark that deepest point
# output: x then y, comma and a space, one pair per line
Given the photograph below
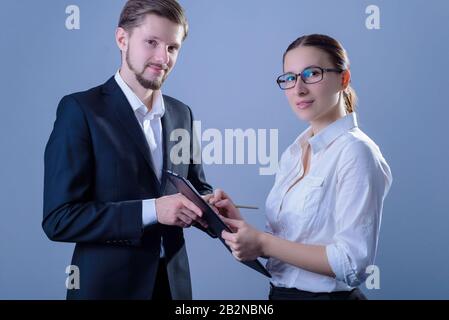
121, 38
346, 78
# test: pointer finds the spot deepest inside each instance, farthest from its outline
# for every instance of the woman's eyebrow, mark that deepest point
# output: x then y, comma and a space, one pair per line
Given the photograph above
311, 66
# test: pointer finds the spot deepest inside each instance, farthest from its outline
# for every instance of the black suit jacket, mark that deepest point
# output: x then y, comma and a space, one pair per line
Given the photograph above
98, 169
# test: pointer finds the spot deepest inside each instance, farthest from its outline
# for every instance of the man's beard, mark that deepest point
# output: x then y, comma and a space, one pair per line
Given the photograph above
147, 84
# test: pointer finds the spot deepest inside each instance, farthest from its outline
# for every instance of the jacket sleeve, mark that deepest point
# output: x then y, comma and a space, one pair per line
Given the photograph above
71, 213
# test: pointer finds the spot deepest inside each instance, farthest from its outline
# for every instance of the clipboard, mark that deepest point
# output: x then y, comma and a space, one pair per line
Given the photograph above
215, 224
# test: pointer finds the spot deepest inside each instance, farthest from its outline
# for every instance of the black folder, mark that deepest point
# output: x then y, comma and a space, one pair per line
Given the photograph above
215, 224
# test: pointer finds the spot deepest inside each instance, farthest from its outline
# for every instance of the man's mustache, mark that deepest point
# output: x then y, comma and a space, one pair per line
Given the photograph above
156, 65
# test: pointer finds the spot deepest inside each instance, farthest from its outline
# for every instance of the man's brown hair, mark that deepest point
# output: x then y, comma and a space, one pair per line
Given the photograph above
135, 12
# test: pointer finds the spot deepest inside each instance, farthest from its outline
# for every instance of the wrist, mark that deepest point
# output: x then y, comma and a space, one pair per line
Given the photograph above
156, 208
263, 239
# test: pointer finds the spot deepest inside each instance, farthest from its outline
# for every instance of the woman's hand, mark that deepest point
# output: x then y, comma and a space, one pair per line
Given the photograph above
224, 204
245, 242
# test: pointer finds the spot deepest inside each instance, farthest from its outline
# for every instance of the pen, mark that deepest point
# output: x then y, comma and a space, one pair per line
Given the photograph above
246, 207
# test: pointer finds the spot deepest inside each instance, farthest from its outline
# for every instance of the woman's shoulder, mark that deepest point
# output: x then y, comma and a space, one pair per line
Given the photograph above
361, 154
358, 146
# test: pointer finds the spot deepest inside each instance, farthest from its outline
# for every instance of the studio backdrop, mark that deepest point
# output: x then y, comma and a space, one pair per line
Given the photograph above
226, 73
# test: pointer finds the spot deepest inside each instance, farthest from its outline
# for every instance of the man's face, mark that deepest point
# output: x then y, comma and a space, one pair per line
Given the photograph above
152, 49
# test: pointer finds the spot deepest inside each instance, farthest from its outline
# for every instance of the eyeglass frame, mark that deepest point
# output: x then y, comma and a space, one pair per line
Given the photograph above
323, 70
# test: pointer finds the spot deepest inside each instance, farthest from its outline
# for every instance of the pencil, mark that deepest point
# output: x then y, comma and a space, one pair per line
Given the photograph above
246, 207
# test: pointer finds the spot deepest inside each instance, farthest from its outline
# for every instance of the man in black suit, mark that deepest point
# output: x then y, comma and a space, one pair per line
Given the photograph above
104, 185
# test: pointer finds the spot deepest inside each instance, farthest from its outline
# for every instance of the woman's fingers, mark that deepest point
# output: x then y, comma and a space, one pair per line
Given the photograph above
220, 194
236, 255
231, 245
217, 196
207, 197
233, 222
227, 236
223, 203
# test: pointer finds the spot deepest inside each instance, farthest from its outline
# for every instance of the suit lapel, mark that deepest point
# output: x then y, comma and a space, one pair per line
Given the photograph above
167, 128
126, 117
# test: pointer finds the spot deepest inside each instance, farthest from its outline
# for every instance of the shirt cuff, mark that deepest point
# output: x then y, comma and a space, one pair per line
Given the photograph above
341, 265
149, 216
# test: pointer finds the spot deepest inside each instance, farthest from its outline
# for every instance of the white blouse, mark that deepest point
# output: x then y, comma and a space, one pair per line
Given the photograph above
338, 204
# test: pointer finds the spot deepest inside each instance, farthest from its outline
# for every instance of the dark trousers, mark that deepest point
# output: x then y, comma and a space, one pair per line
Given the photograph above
279, 293
161, 289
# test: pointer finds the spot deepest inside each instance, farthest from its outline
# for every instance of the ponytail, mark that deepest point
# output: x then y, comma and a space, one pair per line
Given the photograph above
350, 99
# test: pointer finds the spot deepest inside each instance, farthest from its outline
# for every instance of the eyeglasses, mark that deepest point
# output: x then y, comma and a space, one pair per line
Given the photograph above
309, 75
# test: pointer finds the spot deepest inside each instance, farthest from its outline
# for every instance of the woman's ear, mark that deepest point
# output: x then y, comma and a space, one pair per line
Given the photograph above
346, 78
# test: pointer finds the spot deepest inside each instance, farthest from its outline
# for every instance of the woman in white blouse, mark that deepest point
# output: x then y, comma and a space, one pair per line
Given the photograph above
324, 210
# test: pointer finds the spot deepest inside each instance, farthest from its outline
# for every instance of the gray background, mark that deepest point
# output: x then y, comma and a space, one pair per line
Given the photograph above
226, 73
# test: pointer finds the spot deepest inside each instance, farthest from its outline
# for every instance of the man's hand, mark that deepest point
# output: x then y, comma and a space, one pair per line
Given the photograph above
177, 210
224, 204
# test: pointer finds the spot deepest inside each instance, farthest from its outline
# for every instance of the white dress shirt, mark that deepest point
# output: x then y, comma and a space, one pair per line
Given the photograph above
150, 122
338, 204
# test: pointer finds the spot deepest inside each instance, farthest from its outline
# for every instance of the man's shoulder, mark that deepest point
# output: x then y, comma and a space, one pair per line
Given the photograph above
88, 99
175, 103
86, 95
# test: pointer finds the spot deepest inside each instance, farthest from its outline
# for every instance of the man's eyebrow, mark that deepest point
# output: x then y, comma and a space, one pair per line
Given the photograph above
174, 44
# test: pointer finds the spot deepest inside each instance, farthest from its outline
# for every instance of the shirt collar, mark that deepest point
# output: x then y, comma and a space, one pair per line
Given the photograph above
158, 108
326, 136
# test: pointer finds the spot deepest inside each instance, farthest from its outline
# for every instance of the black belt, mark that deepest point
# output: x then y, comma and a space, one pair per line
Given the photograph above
281, 293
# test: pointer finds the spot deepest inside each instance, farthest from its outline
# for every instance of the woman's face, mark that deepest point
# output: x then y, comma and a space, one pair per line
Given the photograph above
317, 101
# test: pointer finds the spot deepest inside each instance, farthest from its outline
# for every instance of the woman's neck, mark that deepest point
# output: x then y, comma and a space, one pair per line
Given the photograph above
335, 113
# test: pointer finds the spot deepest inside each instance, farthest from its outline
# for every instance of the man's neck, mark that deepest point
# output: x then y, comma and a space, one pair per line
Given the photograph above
145, 95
